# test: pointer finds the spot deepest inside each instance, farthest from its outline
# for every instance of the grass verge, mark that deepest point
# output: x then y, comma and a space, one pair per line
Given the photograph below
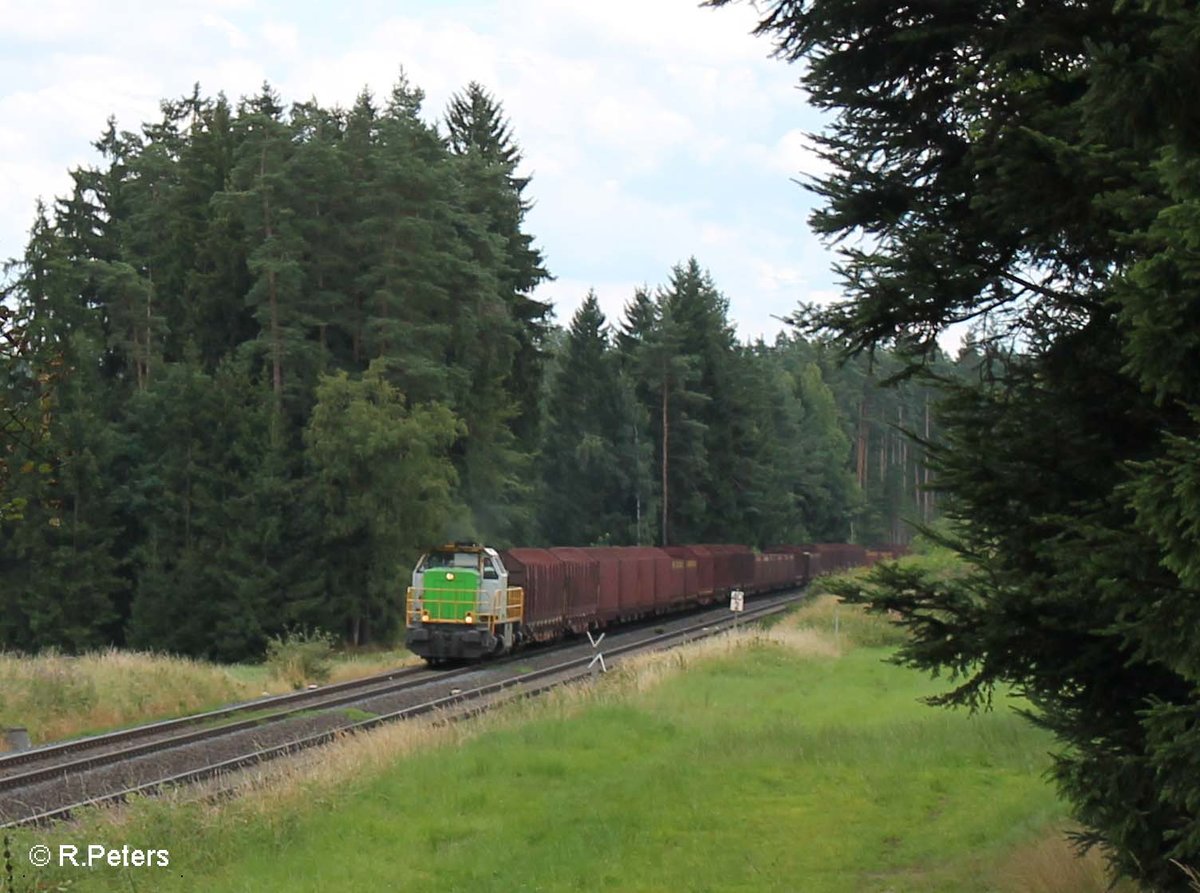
58, 696
790, 759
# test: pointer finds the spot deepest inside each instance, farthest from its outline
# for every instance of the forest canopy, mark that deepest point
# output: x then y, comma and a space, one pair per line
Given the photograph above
263, 354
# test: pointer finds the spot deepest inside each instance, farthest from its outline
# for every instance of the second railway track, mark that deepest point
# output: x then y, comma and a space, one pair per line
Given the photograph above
48, 783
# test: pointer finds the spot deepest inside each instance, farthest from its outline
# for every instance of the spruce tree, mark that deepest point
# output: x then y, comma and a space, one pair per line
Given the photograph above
481, 137
264, 198
584, 479
1066, 462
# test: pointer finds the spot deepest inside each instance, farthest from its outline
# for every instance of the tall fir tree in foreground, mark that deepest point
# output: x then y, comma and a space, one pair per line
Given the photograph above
1068, 464
504, 405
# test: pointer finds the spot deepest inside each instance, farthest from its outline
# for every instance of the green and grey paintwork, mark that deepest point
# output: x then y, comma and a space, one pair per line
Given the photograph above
452, 593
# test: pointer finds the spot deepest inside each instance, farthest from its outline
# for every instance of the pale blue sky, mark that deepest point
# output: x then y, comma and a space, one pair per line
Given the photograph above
653, 129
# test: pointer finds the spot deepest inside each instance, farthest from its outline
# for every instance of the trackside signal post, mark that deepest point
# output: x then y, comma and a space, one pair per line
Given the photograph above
737, 604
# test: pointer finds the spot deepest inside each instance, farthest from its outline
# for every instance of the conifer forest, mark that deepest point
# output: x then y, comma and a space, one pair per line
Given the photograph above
265, 353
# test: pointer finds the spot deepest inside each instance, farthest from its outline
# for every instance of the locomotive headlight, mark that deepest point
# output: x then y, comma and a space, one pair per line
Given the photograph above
470, 618
424, 616
450, 575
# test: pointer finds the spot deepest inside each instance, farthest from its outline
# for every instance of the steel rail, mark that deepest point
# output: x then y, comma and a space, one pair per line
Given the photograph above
110, 757
119, 736
544, 676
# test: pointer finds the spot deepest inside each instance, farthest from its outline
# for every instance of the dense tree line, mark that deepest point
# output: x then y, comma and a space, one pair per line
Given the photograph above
1033, 166
259, 357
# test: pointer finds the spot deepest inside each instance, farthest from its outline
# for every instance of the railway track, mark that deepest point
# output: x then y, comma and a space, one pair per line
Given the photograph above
49, 783
224, 718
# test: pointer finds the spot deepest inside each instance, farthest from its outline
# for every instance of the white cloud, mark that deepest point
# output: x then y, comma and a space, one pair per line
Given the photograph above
774, 277
282, 37
45, 21
794, 154
653, 130
797, 153
233, 34
568, 294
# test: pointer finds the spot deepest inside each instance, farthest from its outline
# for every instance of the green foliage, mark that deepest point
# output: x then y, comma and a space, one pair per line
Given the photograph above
261, 355
384, 478
207, 495
585, 457
219, 255
673, 432
300, 657
1067, 461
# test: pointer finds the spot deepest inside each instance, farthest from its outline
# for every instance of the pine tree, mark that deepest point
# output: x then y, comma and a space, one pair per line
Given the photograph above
667, 371
638, 441
711, 472
385, 482
198, 456
60, 575
218, 320
264, 197
481, 138
584, 478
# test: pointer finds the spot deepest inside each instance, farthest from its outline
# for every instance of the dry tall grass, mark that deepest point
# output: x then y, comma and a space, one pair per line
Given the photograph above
348, 666
58, 696
1050, 864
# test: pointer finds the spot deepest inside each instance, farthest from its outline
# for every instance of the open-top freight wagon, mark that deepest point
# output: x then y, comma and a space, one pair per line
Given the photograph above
470, 601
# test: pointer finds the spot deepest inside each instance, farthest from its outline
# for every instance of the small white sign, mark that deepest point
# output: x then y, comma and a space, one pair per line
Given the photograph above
737, 601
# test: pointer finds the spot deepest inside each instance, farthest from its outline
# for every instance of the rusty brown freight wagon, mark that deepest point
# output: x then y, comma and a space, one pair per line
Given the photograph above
542, 576
608, 565
581, 576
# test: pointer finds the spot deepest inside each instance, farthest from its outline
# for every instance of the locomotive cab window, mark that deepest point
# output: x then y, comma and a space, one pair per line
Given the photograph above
489, 570
450, 559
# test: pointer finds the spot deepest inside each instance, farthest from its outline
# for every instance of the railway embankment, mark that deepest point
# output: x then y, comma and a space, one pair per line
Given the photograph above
790, 758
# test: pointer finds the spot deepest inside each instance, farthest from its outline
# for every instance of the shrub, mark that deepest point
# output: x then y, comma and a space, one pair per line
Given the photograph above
300, 657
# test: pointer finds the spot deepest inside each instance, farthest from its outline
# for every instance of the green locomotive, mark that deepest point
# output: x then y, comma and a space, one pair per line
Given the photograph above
460, 605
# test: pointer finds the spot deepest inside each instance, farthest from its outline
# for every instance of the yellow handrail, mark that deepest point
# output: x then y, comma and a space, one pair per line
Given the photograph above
430, 605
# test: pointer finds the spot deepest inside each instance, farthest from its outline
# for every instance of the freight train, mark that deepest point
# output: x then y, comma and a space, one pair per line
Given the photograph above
470, 602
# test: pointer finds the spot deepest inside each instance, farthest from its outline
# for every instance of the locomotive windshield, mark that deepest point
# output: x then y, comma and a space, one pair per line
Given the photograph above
444, 558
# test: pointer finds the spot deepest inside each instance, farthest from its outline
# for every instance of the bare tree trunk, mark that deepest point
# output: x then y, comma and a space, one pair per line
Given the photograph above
144, 365
883, 447
272, 292
666, 440
323, 325
927, 495
637, 486
861, 444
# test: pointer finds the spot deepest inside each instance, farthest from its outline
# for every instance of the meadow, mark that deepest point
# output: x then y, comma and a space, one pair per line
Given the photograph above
794, 758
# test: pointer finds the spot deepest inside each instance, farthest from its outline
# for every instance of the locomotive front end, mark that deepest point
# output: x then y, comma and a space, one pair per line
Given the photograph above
460, 605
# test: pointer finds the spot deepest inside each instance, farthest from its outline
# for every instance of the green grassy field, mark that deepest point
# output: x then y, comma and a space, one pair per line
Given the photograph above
773, 765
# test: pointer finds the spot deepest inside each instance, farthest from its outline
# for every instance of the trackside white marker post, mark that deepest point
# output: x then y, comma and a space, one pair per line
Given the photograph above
599, 658
737, 604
